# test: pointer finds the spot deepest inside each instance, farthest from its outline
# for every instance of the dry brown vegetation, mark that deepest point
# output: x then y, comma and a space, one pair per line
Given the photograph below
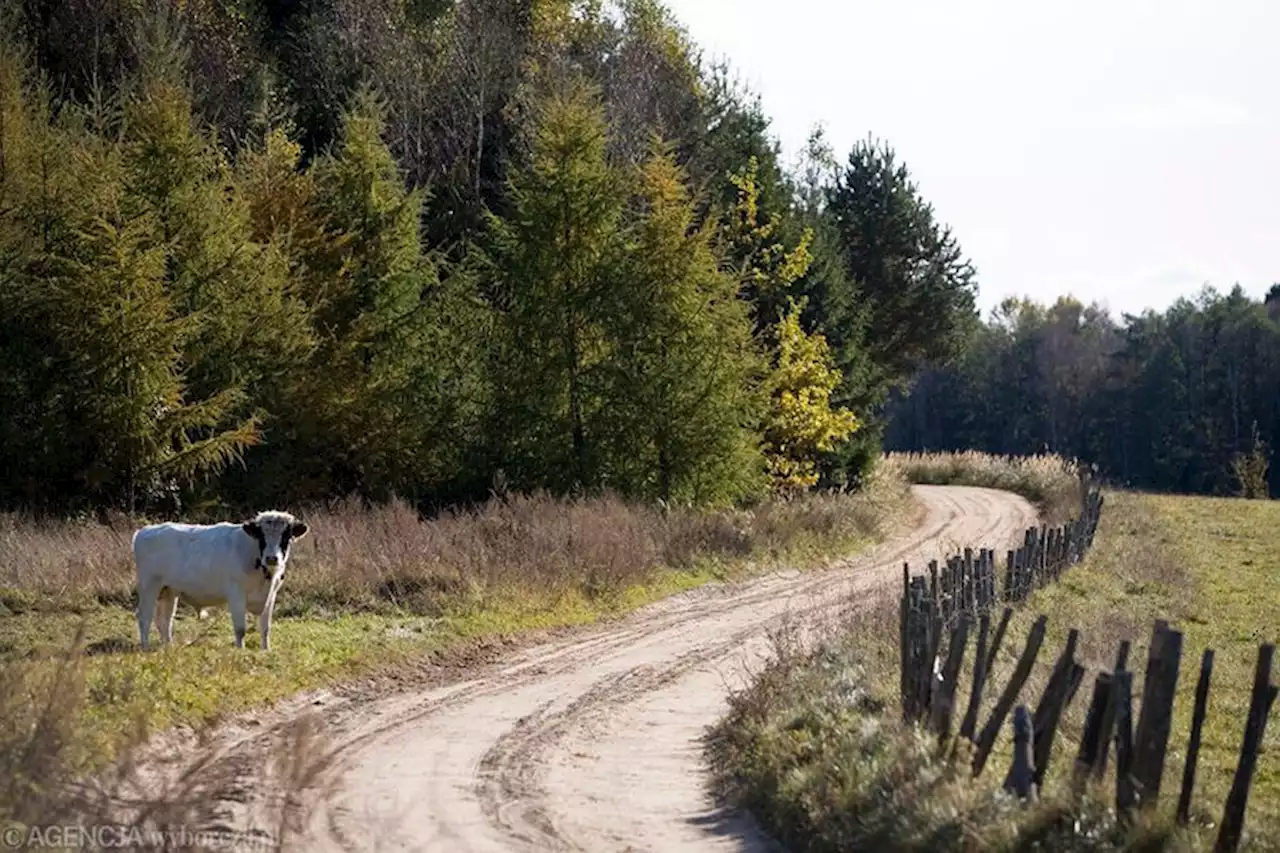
176, 801
387, 557
1048, 480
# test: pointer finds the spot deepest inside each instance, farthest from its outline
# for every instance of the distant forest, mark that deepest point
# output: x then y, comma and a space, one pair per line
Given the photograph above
261, 252
1163, 401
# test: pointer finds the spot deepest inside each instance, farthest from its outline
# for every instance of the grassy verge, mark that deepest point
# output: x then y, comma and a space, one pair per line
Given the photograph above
814, 747
367, 590
1049, 481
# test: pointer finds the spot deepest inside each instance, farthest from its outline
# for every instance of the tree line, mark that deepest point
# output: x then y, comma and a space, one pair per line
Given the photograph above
1184, 400
255, 251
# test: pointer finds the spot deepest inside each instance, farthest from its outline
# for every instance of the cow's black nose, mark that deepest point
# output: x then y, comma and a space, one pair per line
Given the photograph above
271, 561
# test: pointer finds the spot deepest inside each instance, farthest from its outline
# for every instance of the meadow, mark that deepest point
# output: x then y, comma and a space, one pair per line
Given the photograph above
816, 750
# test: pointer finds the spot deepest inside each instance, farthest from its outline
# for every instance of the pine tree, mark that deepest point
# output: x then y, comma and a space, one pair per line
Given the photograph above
248, 337
683, 398
394, 385
102, 386
551, 264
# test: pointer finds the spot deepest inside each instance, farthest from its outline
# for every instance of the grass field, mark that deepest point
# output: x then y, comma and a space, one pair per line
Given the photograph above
366, 591
815, 750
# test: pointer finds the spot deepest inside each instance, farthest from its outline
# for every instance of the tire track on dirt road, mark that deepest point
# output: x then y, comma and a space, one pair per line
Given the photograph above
593, 742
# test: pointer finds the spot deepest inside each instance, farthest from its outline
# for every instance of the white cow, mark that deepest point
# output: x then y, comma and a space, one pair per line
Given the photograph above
239, 565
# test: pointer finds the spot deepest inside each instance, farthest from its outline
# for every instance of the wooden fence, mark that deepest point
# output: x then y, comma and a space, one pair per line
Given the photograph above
1140, 743
967, 585
947, 605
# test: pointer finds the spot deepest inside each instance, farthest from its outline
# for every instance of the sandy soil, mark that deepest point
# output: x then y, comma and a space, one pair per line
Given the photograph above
591, 741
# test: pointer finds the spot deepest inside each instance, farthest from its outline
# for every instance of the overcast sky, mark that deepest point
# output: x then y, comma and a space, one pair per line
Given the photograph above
1126, 152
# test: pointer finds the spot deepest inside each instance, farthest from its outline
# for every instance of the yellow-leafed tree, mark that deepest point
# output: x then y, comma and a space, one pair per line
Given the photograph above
801, 423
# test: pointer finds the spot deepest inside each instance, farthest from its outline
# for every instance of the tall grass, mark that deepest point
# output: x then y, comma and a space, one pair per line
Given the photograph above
814, 750
387, 557
174, 801
1050, 481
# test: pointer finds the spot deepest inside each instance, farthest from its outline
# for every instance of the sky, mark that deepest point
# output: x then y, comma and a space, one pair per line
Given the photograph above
1126, 152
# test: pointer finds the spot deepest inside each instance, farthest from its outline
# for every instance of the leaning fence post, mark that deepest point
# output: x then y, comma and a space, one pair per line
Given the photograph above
1050, 706
945, 696
1193, 744
1122, 656
1156, 720
1264, 694
1107, 731
998, 639
1091, 738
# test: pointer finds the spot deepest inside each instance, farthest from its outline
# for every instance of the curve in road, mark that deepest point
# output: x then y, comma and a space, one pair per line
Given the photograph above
592, 742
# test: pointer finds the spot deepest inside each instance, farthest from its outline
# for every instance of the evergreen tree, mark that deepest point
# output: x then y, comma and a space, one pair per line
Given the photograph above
683, 399
918, 287
393, 387
98, 375
253, 331
552, 265
765, 266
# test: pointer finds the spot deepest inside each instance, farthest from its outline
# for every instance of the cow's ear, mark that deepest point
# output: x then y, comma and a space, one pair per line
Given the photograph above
252, 528
298, 530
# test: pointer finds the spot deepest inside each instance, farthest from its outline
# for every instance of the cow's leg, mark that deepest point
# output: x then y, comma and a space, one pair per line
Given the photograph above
264, 622
237, 605
148, 592
168, 606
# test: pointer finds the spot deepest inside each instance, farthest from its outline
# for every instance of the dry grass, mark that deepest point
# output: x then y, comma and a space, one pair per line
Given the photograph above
368, 589
388, 559
1050, 481
815, 751
178, 801
1204, 564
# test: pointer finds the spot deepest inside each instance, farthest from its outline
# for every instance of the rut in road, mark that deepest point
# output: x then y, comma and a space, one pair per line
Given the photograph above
592, 743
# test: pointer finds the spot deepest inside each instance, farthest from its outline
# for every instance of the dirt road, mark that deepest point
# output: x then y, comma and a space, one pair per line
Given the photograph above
592, 742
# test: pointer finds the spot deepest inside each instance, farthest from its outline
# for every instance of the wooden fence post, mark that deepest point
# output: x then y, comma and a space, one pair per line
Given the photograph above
1009, 578
1005, 703
935, 644
1053, 702
933, 580
1021, 778
1106, 731
1122, 656
1193, 744
1122, 692
904, 639
970, 587
1264, 694
944, 697
1156, 720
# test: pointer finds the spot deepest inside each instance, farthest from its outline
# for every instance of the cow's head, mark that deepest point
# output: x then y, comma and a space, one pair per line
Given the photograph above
274, 531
